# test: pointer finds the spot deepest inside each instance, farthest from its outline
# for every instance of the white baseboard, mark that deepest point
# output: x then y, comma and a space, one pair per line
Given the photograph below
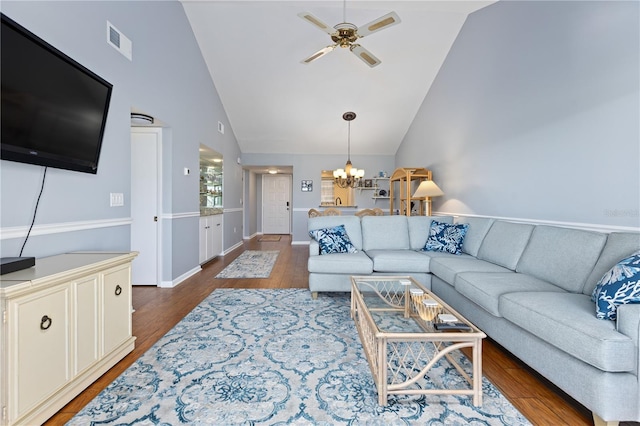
180, 279
232, 248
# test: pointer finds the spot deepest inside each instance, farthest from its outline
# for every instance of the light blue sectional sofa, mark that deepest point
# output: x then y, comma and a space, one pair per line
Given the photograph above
528, 287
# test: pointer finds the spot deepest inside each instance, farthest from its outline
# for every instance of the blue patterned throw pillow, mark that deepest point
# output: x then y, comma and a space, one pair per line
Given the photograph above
619, 286
446, 237
333, 240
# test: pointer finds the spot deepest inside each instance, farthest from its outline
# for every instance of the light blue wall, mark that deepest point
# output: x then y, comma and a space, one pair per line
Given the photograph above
168, 79
250, 225
309, 167
535, 115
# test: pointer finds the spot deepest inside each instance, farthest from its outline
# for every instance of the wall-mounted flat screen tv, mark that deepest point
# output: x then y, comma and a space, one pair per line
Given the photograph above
53, 110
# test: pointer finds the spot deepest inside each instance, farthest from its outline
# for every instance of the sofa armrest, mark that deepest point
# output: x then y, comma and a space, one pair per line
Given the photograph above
314, 248
628, 323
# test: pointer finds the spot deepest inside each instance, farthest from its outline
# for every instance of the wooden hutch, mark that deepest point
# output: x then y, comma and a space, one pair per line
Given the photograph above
407, 179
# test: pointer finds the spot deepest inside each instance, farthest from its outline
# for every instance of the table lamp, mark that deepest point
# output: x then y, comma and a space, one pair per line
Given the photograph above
428, 189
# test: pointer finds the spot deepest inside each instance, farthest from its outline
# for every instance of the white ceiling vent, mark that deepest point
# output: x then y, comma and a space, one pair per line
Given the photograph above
119, 41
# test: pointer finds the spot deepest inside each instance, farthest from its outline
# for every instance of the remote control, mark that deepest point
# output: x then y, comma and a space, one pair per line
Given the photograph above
452, 326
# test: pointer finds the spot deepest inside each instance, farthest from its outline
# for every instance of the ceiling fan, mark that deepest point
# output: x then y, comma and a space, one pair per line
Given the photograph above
346, 34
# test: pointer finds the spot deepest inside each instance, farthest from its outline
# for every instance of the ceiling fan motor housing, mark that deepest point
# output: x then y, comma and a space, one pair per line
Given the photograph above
346, 34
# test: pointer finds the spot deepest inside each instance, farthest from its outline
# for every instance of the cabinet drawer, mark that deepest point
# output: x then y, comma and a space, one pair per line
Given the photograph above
39, 339
116, 311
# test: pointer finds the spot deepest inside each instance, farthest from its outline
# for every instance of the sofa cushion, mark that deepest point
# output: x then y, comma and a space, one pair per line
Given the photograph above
446, 237
478, 228
566, 321
505, 242
562, 256
351, 225
419, 229
385, 232
447, 267
398, 261
619, 245
486, 288
619, 286
333, 240
341, 263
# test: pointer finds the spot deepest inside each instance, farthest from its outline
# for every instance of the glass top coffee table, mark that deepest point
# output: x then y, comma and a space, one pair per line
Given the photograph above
405, 330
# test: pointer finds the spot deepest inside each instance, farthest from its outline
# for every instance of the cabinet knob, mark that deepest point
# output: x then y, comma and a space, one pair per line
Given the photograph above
45, 322
118, 290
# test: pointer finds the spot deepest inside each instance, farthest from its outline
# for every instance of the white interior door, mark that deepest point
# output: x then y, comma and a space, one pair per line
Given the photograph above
145, 202
276, 204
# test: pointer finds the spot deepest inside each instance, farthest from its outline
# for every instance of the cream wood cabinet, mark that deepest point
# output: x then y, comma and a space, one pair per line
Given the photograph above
66, 321
210, 237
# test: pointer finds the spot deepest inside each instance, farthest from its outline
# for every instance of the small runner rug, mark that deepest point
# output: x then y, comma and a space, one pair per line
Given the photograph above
275, 357
251, 264
269, 238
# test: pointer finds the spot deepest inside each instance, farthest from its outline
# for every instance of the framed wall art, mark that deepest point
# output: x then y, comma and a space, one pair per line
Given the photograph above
307, 186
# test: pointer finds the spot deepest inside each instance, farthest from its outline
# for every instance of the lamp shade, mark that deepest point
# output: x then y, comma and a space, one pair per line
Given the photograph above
427, 188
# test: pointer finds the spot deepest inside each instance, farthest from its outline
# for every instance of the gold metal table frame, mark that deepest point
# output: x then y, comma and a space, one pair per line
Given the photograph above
400, 358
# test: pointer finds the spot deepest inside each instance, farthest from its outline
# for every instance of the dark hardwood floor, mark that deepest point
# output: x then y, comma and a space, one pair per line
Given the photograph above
157, 310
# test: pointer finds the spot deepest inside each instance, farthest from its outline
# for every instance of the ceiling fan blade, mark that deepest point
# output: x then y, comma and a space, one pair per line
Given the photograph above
316, 22
386, 21
365, 55
320, 53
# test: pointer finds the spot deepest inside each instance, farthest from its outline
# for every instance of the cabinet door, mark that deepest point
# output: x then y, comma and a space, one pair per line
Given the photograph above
216, 235
116, 307
86, 323
209, 243
39, 338
203, 239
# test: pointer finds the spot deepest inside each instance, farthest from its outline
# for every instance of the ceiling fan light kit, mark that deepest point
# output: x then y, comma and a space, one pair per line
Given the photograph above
346, 34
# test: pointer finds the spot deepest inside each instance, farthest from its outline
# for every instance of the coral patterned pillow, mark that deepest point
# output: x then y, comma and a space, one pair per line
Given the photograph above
333, 240
446, 237
619, 286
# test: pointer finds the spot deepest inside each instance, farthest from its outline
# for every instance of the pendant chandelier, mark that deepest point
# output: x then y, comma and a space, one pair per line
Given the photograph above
349, 177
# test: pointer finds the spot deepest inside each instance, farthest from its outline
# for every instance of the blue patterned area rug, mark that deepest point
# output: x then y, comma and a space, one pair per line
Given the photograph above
274, 357
251, 264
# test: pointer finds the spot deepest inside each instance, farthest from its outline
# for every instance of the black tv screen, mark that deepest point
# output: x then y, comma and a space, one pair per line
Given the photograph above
54, 110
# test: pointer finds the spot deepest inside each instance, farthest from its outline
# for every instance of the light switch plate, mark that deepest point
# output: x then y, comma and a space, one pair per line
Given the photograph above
116, 199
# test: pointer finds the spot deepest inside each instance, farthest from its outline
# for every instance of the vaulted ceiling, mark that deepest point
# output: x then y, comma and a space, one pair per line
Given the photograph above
277, 104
